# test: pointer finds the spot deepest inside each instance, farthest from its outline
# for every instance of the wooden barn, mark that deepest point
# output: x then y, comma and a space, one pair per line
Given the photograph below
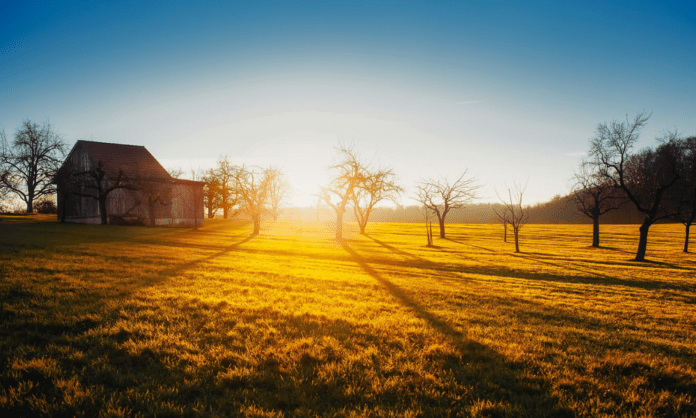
102, 183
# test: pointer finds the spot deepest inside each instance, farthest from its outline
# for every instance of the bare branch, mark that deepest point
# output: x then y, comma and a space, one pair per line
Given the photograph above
28, 166
441, 196
348, 175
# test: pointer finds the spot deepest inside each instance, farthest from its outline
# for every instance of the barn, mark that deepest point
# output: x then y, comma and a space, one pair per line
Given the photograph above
103, 183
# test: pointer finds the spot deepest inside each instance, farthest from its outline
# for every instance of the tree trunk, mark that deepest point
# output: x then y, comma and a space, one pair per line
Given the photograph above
429, 232
643, 243
505, 233
257, 224
30, 204
102, 210
225, 206
442, 226
210, 212
595, 230
686, 240
517, 240
339, 226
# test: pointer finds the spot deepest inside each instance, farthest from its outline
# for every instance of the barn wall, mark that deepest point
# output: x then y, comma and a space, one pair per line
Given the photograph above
80, 207
187, 204
181, 203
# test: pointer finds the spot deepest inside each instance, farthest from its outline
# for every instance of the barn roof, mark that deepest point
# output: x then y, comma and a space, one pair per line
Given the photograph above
130, 160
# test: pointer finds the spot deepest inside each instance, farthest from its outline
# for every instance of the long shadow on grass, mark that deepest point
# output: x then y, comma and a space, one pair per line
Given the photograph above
414, 262
632, 263
37, 236
595, 278
178, 268
471, 245
494, 379
397, 251
599, 279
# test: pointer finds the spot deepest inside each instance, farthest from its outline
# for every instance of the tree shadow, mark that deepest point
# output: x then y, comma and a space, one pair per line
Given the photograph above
397, 251
604, 247
493, 378
601, 278
471, 245
178, 268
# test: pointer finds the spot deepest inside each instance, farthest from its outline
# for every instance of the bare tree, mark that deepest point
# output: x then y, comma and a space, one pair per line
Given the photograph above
212, 197
685, 192
175, 172
4, 194
644, 177
28, 166
500, 214
348, 174
428, 227
594, 196
376, 185
228, 176
441, 196
513, 213
100, 186
156, 193
253, 191
279, 190
318, 204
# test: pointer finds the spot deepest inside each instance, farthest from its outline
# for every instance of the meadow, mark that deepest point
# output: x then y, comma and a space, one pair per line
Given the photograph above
133, 321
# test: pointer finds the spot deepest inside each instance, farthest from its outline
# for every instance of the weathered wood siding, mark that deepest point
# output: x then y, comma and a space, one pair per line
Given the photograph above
180, 202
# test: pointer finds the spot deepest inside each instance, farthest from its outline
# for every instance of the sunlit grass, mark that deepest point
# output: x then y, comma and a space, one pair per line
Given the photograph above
118, 321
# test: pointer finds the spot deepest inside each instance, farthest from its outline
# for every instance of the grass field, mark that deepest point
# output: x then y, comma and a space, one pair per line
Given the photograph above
129, 321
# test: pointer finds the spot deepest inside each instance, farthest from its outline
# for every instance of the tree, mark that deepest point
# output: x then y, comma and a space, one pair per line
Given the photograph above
318, 205
175, 172
440, 197
428, 227
594, 195
228, 181
375, 186
212, 197
645, 177
28, 166
101, 186
4, 193
685, 192
253, 190
348, 174
513, 213
157, 192
278, 190
500, 214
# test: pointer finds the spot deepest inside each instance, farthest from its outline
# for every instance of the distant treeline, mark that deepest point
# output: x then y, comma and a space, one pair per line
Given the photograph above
559, 210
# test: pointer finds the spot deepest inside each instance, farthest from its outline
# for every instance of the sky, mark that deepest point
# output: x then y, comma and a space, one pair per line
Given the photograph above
511, 92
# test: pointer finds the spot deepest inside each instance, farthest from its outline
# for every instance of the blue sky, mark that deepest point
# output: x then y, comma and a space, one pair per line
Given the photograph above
511, 91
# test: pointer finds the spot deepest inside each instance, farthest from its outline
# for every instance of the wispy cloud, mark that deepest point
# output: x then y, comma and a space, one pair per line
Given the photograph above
469, 102
575, 154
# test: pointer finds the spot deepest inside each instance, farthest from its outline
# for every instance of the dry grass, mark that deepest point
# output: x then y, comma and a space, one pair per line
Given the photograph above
114, 321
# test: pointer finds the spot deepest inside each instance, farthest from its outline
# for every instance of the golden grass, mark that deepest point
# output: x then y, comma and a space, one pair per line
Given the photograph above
116, 321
